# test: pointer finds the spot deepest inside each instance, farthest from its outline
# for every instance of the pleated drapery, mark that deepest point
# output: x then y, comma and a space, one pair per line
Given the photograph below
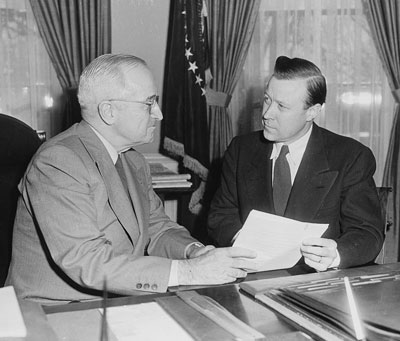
231, 26
74, 33
384, 20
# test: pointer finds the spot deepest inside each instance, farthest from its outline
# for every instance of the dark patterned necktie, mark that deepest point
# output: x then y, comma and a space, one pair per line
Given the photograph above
282, 183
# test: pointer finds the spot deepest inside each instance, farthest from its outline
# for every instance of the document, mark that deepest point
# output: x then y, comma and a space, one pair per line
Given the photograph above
276, 239
145, 321
11, 320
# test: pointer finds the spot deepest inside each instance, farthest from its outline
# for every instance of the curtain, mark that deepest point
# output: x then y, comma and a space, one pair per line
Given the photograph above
231, 26
74, 33
335, 36
29, 88
384, 19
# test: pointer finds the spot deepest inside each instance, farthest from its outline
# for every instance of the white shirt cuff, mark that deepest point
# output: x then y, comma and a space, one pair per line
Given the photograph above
336, 262
235, 236
173, 274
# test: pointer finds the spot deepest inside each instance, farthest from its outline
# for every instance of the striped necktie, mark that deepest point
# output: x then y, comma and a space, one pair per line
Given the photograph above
120, 170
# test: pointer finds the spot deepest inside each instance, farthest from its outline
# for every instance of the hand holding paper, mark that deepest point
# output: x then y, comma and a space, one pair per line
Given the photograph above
319, 253
276, 239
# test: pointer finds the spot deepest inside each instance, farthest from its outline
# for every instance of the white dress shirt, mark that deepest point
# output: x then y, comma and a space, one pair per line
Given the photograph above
295, 155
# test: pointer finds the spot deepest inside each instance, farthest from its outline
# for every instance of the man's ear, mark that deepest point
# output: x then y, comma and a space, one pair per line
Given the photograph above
313, 112
106, 112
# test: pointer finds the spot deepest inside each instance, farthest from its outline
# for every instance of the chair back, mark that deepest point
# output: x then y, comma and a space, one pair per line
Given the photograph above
384, 196
18, 143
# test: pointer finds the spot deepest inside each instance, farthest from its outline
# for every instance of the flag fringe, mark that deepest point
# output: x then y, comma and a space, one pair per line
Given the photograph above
178, 149
195, 204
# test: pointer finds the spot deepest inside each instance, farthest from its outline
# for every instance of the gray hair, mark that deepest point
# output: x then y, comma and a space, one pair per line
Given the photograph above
104, 78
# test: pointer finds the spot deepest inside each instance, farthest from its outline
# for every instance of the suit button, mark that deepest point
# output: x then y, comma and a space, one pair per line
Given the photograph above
139, 286
154, 287
146, 286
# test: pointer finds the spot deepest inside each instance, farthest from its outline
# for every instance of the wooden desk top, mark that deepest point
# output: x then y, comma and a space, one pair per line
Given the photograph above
85, 317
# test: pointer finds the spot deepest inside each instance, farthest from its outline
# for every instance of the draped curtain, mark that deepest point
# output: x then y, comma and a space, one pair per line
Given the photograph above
231, 26
29, 88
384, 19
74, 33
335, 35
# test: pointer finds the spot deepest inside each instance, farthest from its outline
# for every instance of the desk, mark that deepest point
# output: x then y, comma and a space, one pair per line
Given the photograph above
86, 320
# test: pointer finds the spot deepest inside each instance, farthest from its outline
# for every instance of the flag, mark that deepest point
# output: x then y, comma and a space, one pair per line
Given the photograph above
185, 128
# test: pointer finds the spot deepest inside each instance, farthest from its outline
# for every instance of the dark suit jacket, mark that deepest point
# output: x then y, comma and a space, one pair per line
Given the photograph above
76, 224
334, 184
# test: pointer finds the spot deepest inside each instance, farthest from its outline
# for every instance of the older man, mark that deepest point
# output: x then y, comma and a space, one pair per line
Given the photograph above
88, 211
298, 170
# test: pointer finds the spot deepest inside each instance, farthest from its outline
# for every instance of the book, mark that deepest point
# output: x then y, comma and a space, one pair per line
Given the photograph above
172, 184
161, 173
169, 177
321, 306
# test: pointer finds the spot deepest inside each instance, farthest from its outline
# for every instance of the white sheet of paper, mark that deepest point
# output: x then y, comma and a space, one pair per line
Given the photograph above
145, 321
276, 239
11, 320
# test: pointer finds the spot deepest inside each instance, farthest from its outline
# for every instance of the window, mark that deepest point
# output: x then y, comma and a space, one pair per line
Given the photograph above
29, 88
335, 36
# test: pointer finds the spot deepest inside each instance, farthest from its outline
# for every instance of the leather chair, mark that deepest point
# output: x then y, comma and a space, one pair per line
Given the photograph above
384, 194
18, 143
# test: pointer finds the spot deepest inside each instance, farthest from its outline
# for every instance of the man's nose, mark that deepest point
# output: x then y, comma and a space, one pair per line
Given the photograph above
156, 112
268, 111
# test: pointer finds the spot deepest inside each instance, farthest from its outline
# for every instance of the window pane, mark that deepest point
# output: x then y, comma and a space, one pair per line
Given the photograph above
29, 89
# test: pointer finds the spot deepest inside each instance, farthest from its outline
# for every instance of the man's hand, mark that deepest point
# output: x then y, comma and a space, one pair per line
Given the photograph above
215, 266
319, 253
195, 251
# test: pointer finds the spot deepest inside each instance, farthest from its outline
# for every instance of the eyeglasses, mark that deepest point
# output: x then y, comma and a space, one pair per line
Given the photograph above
150, 102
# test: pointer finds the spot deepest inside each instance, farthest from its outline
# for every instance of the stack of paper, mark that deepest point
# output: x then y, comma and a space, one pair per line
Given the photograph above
11, 321
276, 239
163, 177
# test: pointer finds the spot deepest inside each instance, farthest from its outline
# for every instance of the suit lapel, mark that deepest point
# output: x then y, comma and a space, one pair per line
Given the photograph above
313, 180
118, 198
258, 178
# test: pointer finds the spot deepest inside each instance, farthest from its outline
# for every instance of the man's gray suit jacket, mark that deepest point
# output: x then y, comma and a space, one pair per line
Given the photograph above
76, 225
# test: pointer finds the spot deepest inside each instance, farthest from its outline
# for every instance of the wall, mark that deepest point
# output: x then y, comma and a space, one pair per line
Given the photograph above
140, 27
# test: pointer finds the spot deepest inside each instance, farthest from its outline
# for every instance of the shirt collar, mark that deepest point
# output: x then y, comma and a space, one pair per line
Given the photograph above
296, 148
110, 149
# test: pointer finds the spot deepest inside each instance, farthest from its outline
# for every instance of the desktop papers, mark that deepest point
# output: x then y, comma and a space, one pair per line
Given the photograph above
145, 321
276, 239
11, 320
